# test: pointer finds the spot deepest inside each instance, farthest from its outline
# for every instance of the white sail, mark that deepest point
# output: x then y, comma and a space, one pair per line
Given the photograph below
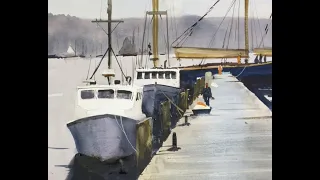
70, 50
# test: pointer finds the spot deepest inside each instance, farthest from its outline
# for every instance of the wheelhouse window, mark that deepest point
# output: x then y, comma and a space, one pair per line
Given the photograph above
123, 94
146, 75
154, 75
167, 75
87, 94
139, 75
160, 75
173, 75
106, 94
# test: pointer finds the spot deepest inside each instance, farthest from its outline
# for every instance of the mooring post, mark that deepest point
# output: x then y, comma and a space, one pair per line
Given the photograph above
174, 140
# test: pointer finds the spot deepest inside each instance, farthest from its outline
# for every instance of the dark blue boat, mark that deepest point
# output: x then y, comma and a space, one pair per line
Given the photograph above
159, 85
239, 71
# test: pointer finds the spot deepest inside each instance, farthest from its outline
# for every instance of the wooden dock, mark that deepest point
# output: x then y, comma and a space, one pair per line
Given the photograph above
233, 142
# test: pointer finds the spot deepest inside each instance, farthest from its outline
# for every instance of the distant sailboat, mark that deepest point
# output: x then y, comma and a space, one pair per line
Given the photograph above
238, 69
70, 51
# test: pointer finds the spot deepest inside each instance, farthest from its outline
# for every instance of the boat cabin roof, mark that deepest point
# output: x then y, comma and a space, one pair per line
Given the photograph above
108, 92
116, 87
158, 70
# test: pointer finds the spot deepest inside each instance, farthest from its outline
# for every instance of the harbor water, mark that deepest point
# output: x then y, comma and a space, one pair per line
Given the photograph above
63, 77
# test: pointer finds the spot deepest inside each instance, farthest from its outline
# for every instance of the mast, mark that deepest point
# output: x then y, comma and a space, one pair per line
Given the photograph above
155, 33
246, 35
109, 11
109, 32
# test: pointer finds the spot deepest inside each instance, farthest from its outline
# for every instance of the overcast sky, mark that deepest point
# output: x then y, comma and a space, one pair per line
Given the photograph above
136, 8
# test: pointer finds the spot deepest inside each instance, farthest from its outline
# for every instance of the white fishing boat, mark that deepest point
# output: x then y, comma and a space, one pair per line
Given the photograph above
105, 126
106, 119
160, 84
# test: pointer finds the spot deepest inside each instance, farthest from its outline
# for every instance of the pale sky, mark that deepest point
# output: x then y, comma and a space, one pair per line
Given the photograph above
136, 8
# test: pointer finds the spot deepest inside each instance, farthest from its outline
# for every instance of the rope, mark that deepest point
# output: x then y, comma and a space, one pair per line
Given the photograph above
241, 71
196, 23
172, 102
124, 132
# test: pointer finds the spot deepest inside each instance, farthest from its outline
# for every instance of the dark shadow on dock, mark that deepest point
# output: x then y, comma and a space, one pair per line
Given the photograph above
84, 168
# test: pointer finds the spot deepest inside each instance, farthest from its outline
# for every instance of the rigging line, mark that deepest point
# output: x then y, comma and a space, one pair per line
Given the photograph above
175, 21
148, 34
255, 7
163, 33
254, 24
89, 68
214, 35
266, 30
102, 28
183, 40
97, 67
264, 36
171, 20
235, 32
212, 39
225, 36
119, 65
239, 24
191, 27
143, 42
100, 8
231, 26
252, 45
251, 24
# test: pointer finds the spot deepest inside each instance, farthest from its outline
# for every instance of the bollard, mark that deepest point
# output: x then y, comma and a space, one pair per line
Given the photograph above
186, 120
174, 140
174, 143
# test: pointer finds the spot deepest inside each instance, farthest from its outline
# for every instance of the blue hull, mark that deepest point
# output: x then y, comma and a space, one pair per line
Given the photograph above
153, 96
242, 71
105, 137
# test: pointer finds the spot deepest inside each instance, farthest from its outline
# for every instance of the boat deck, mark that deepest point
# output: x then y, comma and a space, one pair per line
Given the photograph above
233, 142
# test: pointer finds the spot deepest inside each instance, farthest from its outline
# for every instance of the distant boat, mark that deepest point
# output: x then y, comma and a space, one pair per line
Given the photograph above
70, 53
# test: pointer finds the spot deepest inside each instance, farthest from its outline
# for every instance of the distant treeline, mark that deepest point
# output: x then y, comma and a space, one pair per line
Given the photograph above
89, 39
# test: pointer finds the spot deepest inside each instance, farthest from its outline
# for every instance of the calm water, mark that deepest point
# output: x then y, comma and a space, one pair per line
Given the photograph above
63, 77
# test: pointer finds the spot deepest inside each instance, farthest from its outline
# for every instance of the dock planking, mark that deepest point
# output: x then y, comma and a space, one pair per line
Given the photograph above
233, 142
